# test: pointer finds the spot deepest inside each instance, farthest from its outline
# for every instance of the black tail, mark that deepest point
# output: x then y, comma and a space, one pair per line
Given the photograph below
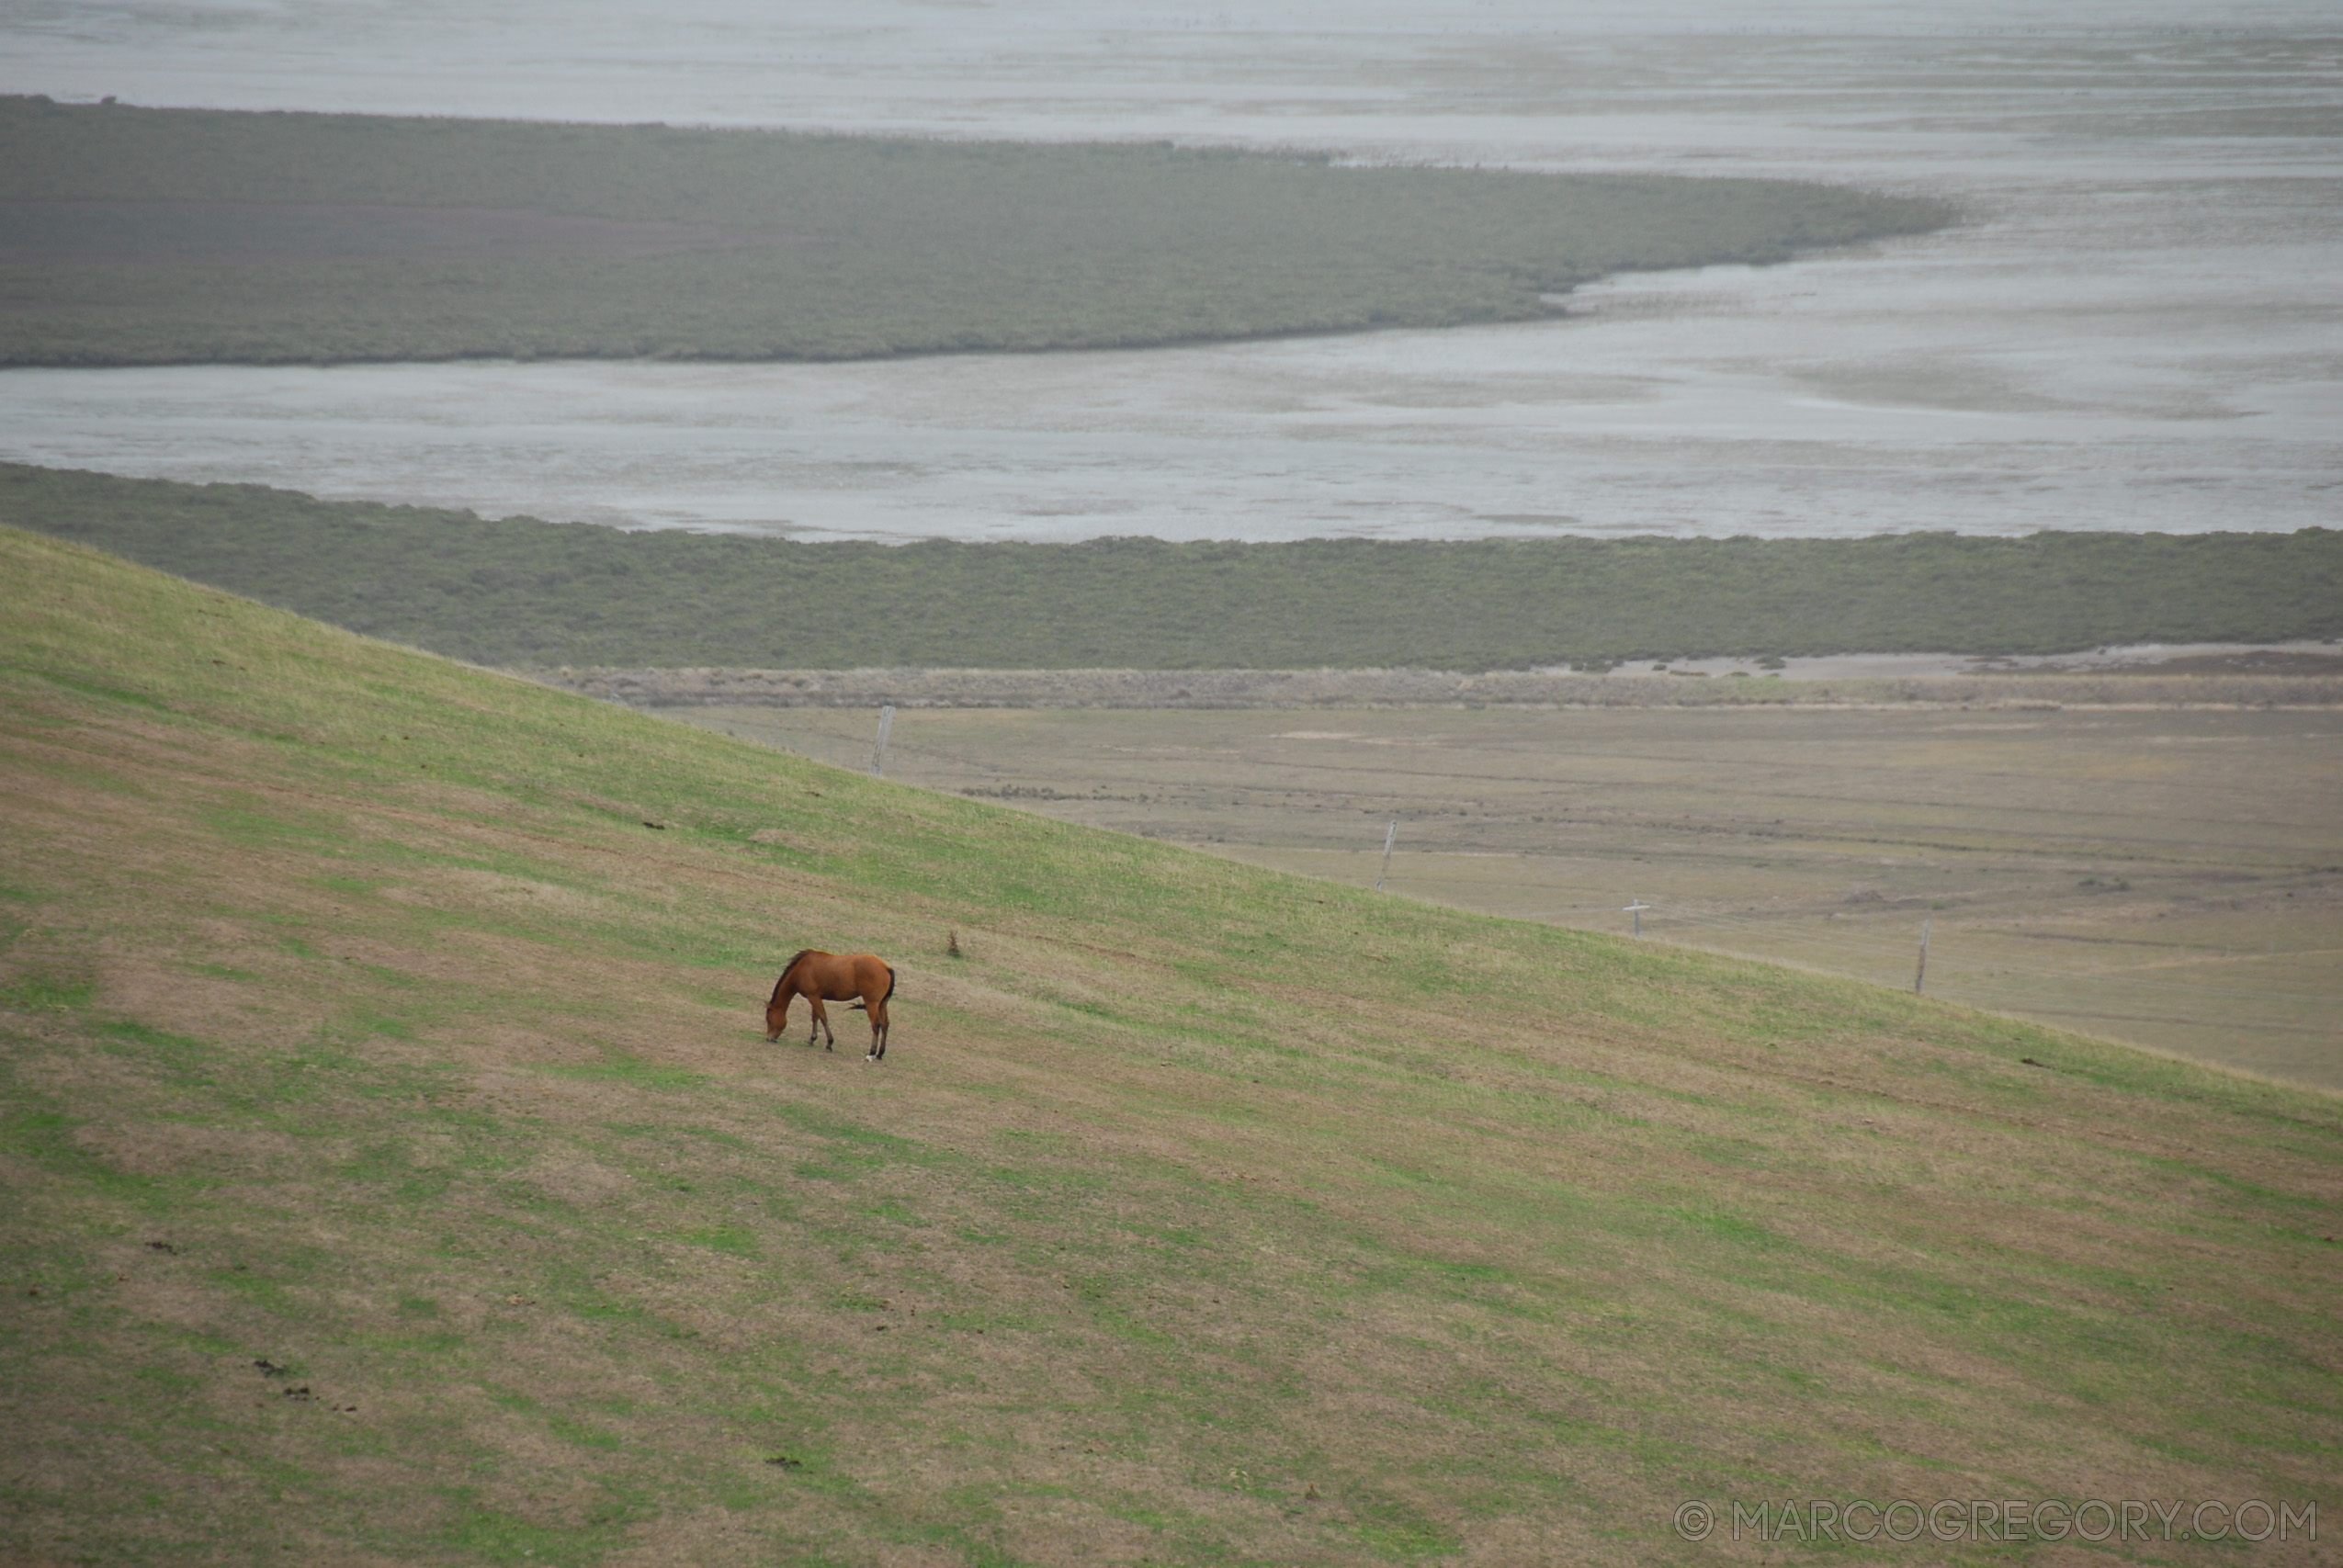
858, 1007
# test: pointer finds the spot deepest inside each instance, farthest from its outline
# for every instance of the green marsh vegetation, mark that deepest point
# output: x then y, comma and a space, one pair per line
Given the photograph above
522, 593
170, 236
397, 1169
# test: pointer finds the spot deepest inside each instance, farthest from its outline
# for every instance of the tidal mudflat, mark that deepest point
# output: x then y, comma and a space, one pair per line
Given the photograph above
2133, 327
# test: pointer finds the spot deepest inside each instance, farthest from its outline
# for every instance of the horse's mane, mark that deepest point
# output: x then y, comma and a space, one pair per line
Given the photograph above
793, 962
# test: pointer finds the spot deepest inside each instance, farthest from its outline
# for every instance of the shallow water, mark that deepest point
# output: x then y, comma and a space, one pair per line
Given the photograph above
2135, 327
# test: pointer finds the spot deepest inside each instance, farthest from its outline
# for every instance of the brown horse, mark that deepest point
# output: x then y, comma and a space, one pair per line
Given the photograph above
826, 977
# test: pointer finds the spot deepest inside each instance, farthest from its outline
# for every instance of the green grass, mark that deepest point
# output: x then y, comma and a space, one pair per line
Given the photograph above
521, 593
162, 236
1209, 1215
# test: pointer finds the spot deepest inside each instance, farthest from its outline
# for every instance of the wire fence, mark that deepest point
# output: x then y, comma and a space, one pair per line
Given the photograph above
1958, 970
1977, 959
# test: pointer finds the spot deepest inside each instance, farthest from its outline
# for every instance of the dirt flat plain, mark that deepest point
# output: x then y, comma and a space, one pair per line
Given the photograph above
2170, 878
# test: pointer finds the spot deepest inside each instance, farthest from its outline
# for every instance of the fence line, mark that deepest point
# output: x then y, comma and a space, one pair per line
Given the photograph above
1809, 944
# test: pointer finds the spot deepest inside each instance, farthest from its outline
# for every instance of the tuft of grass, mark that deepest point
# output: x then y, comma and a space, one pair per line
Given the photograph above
1203, 1215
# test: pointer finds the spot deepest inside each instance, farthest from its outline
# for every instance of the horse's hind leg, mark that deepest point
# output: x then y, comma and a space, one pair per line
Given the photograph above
877, 1030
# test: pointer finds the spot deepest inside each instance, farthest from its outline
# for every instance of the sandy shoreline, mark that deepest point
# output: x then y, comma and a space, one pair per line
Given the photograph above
2303, 675
2303, 658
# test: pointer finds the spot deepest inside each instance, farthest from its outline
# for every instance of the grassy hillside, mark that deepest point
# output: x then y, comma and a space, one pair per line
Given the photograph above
523, 592
396, 1171
156, 236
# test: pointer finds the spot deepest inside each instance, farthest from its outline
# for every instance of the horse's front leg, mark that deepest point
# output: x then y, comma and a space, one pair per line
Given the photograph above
821, 1023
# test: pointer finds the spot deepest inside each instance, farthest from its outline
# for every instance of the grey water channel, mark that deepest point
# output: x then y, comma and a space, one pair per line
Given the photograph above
2135, 327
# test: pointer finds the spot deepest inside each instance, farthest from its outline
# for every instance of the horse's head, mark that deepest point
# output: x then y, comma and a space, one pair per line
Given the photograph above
776, 1011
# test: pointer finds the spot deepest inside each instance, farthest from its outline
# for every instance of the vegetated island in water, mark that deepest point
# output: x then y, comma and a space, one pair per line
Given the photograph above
520, 593
135, 236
